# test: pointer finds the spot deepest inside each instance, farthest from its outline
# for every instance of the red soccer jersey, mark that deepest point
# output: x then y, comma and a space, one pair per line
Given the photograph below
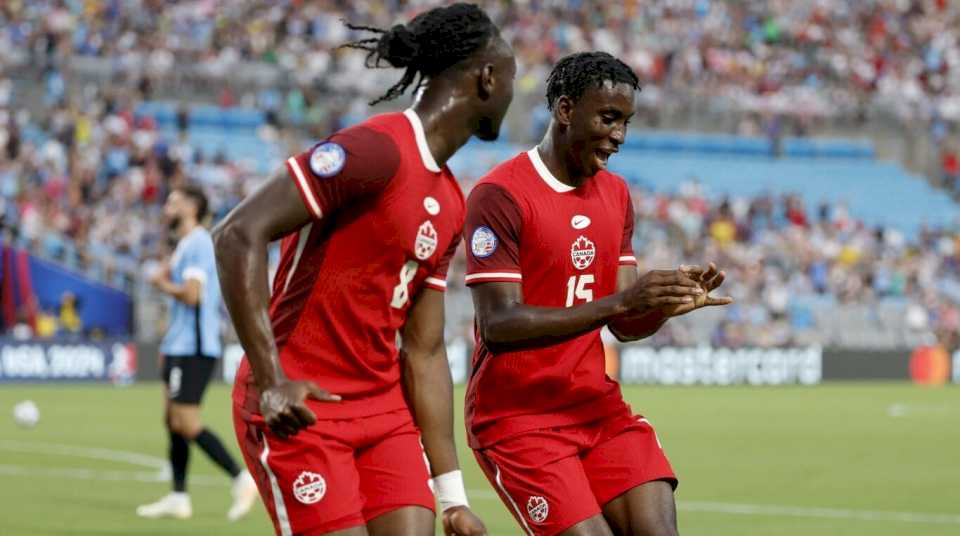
387, 220
564, 246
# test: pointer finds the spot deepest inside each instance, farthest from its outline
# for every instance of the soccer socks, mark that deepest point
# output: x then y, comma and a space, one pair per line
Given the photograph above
179, 456
211, 444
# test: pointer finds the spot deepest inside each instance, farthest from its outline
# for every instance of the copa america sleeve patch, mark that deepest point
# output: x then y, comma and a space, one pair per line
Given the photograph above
327, 159
483, 242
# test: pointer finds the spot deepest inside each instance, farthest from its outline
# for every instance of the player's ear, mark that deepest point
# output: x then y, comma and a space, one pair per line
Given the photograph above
486, 82
563, 109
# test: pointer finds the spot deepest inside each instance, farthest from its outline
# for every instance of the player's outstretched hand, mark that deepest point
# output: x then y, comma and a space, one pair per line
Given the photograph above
658, 289
284, 406
460, 521
709, 279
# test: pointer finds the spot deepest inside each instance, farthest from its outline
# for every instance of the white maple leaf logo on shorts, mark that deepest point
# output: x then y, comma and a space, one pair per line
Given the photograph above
309, 487
538, 508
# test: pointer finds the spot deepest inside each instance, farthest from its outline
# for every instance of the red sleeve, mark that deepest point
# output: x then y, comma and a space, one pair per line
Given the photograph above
492, 236
438, 279
352, 163
626, 244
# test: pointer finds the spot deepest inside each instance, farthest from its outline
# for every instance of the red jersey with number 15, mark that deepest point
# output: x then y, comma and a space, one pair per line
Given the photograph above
564, 246
386, 221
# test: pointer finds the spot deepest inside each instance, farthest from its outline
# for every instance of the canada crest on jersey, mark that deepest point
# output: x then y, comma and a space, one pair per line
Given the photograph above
582, 252
426, 243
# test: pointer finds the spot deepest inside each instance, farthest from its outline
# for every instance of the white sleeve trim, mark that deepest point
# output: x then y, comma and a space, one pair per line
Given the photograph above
195, 273
436, 282
628, 258
305, 187
493, 275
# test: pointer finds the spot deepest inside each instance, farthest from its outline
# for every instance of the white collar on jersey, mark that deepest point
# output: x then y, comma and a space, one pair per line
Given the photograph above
428, 161
553, 182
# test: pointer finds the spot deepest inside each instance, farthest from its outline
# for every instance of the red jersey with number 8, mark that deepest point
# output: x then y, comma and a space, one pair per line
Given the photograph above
564, 246
386, 221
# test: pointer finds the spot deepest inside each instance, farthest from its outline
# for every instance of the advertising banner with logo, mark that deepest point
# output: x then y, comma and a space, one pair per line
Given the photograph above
721, 366
67, 361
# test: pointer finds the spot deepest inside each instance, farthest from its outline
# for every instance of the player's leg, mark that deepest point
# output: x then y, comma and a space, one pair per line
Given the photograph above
632, 478
308, 483
407, 520
394, 478
177, 503
185, 417
186, 421
646, 510
546, 499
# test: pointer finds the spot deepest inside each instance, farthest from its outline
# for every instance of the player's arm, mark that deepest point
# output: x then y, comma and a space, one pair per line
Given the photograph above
493, 230
639, 326
241, 242
506, 323
194, 275
647, 323
189, 292
334, 174
627, 329
429, 389
644, 324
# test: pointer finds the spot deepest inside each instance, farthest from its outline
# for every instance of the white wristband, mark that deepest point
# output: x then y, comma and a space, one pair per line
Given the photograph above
450, 490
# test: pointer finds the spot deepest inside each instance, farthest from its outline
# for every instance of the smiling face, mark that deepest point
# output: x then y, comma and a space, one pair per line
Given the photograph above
597, 126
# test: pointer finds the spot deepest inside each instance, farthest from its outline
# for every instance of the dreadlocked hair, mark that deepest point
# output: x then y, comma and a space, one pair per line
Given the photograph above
573, 74
429, 44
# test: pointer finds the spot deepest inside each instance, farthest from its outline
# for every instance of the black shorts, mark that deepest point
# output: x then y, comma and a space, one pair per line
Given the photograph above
187, 377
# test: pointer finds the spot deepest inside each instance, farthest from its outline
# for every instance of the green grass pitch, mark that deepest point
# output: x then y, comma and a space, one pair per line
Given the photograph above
850, 459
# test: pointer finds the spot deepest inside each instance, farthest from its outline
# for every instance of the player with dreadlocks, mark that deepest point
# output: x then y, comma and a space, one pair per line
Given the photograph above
549, 263
345, 383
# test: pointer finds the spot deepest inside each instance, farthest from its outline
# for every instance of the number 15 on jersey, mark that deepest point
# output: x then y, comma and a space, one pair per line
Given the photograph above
577, 289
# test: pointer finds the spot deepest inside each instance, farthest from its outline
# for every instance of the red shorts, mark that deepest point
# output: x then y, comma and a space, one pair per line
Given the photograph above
336, 474
552, 479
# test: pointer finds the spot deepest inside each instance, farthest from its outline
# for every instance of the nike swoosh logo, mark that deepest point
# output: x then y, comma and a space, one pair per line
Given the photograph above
580, 222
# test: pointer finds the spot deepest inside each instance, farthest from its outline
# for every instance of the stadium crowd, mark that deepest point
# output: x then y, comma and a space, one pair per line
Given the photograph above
83, 179
786, 264
809, 60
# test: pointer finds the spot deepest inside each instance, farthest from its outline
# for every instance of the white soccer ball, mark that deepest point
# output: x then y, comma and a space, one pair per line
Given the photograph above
26, 414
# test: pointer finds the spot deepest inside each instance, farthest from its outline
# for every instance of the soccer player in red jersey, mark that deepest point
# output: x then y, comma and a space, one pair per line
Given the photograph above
345, 372
550, 262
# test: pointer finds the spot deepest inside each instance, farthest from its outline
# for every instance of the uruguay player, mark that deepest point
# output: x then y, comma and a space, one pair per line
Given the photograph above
190, 350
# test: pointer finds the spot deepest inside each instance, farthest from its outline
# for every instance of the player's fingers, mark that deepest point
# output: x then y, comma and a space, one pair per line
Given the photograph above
477, 529
303, 415
710, 273
671, 300
677, 290
286, 421
716, 281
692, 270
723, 300
277, 428
677, 278
317, 393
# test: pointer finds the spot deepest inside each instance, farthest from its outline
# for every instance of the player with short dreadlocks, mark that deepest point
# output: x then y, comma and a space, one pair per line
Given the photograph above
345, 383
550, 263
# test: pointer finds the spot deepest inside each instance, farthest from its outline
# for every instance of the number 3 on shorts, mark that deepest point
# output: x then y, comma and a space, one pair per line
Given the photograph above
401, 292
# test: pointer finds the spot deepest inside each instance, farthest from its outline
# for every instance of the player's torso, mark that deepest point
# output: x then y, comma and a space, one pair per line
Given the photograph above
194, 252
569, 252
570, 245
358, 271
